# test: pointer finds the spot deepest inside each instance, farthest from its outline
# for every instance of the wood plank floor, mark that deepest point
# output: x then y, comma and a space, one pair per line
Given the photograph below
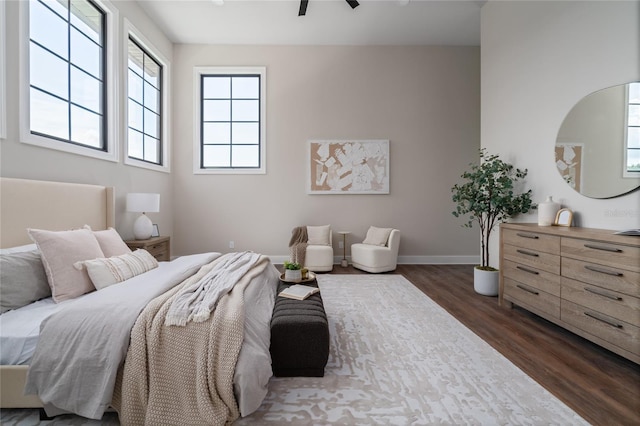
601, 386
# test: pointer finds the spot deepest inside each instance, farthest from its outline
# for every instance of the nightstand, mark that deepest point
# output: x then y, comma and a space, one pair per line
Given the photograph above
159, 247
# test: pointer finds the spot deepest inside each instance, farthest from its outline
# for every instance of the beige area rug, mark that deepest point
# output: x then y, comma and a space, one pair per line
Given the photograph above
397, 358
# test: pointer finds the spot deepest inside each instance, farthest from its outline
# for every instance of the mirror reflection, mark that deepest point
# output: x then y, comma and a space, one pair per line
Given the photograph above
597, 150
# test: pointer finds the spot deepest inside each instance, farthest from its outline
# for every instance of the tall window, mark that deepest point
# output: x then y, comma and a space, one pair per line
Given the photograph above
632, 164
67, 95
145, 104
231, 111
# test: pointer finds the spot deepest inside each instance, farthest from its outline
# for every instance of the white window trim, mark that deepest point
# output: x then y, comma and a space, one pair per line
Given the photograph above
625, 173
3, 72
112, 77
197, 74
131, 30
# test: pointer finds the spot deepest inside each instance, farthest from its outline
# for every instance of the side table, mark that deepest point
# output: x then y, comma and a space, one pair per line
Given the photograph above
158, 247
344, 262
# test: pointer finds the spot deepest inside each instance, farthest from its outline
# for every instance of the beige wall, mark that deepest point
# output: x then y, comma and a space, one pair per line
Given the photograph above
31, 162
425, 100
538, 60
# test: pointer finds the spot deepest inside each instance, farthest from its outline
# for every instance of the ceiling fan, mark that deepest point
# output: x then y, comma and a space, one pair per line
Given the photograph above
305, 3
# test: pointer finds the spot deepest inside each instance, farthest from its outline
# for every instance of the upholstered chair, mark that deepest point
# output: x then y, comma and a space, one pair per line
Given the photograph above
319, 254
376, 255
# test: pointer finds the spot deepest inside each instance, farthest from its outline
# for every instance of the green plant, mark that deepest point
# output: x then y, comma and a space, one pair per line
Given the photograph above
293, 266
487, 196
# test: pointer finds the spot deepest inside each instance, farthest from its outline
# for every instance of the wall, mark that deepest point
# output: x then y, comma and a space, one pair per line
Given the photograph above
425, 100
538, 60
30, 162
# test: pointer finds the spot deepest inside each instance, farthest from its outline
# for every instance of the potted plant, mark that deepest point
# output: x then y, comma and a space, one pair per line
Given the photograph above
488, 196
292, 271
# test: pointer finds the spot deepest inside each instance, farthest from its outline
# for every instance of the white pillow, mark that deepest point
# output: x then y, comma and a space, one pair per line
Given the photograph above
59, 251
19, 249
105, 272
110, 242
318, 235
377, 236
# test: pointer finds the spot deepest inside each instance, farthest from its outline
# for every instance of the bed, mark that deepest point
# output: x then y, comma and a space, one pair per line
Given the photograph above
62, 206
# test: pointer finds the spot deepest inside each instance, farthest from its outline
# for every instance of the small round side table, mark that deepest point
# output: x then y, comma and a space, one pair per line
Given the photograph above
344, 262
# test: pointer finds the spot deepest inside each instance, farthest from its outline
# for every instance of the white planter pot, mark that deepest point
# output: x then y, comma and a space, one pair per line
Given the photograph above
485, 282
293, 275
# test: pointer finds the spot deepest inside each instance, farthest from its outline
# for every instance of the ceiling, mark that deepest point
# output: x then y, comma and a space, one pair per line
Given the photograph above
327, 22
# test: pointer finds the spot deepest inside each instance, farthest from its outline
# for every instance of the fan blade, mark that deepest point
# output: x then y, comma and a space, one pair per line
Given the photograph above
353, 3
303, 7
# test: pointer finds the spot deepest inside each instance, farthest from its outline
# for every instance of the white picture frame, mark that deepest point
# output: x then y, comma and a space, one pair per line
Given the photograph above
348, 167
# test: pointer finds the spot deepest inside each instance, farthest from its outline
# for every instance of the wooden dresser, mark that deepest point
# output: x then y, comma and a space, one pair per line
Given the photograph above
585, 280
159, 247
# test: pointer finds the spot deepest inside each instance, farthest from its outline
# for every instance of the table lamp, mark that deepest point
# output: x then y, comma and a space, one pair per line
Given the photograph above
143, 203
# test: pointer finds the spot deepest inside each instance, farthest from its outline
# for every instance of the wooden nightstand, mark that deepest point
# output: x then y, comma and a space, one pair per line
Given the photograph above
159, 247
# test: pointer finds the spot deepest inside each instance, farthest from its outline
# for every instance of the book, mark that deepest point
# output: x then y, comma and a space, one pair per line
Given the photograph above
299, 291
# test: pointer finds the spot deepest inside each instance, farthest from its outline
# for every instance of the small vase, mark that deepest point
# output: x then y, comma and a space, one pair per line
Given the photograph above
293, 274
547, 212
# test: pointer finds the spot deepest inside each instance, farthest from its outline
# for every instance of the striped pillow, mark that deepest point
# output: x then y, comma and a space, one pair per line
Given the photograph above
108, 271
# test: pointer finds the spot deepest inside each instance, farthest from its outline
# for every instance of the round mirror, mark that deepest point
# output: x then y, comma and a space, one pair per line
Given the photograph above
598, 144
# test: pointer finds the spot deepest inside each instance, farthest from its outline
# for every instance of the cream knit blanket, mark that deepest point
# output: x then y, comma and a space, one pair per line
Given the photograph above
184, 375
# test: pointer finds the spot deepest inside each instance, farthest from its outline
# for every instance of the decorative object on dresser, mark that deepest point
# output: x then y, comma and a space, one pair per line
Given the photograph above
547, 211
159, 247
487, 195
585, 280
564, 217
143, 203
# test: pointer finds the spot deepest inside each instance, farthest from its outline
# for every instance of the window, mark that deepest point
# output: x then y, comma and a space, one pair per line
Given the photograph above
3, 62
632, 157
144, 89
67, 86
230, 130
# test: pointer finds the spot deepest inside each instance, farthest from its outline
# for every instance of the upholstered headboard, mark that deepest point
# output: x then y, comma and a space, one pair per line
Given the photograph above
54, 206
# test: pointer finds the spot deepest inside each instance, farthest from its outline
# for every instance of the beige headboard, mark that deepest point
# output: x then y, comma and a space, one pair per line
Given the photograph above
54, 206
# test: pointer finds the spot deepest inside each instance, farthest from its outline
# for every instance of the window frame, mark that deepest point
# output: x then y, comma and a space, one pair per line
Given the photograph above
625, 172
198, 73
130, 31
110, 121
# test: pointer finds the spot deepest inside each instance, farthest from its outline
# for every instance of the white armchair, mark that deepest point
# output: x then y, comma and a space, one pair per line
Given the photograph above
319, 255
376, 258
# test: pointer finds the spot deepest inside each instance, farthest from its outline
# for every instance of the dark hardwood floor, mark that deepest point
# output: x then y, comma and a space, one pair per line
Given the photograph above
601, 386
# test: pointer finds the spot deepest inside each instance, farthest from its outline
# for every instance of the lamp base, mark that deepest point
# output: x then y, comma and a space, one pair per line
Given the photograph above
142, 227
344, 263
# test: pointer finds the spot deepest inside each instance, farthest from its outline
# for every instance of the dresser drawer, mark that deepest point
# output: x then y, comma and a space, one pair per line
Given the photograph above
611, 278
616, 305
528, 256
612, 330
614, 255
532, 240
531, 297
533, 277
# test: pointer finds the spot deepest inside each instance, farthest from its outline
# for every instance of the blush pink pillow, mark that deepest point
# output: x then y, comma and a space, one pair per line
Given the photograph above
59, 250
110, 242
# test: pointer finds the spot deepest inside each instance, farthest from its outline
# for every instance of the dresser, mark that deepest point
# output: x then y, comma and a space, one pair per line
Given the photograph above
158, 247
585, 280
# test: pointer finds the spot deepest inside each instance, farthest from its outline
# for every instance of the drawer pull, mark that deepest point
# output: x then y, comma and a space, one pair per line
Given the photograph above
603, 294
523, 235
604, 320
531, 271
603, 271
528, 290
603, 248
528, 253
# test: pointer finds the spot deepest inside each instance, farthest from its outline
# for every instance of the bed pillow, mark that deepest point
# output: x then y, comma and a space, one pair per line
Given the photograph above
105, 272
19, 249
22, 280
318, 235
110, 242
377, 236
59, 251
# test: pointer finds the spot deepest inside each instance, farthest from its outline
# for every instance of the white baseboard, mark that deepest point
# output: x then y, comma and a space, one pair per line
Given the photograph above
404, 260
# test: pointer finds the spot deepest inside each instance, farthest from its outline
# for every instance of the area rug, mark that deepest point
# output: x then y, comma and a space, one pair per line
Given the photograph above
398, 358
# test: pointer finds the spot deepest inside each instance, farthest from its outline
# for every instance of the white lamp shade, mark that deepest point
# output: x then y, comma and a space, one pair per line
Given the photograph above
143, 202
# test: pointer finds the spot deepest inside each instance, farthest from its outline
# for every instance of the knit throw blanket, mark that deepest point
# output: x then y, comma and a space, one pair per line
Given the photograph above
184, 375
298, 244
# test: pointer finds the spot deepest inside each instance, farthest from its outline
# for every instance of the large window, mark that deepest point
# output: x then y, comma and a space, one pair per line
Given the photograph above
231, 115
632, 160
144, 105
67, 60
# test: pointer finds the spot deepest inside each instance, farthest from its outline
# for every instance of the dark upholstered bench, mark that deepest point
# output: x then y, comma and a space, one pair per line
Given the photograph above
299, 336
